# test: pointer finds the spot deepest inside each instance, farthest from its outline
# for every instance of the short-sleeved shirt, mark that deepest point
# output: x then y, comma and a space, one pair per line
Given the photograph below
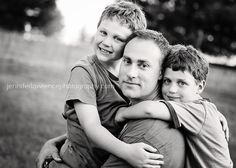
206, 143
91, 83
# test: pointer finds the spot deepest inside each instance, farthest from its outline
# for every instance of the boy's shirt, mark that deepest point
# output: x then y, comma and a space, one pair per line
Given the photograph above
206, 142
92, 84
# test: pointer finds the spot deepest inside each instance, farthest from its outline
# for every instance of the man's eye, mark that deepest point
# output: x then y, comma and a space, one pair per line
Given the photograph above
144, 66
126, 61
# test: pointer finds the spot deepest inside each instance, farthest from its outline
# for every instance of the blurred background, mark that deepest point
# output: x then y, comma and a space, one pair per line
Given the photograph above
40, 41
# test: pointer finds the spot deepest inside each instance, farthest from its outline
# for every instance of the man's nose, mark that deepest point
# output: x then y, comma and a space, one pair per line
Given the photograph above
132, 71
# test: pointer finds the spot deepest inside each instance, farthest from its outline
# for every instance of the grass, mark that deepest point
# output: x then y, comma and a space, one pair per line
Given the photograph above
30, 116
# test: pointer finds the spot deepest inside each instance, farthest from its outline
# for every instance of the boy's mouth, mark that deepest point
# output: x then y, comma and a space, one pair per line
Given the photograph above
173, 98
104, 51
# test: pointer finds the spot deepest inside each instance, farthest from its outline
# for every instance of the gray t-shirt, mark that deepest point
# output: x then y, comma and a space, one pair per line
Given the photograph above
92, 84
206, 143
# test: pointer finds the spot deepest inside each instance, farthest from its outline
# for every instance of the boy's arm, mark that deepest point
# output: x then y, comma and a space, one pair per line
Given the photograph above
145, 109
135, 154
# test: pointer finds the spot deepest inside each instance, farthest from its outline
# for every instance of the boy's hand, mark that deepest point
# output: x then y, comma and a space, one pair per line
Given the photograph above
48, 153
141, 155
224, 124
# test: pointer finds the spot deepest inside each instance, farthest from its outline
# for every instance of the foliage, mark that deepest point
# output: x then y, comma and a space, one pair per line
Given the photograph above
16, 14
208, 25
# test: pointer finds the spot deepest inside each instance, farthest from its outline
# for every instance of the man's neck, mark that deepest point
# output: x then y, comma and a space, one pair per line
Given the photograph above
151, 97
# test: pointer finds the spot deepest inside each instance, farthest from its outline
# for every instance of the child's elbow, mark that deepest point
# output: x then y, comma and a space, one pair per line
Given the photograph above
150, 110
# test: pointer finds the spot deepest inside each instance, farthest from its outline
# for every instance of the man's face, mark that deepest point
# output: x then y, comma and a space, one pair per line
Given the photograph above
110, 39
140, 69
180, 86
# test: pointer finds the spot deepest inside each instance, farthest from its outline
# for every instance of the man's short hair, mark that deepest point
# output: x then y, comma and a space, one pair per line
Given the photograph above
154, 36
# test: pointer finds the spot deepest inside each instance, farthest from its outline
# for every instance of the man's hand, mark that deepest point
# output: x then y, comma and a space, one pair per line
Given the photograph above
48, 153
141, 155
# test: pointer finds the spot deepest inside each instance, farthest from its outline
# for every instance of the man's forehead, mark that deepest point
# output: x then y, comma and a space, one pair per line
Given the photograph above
142, 50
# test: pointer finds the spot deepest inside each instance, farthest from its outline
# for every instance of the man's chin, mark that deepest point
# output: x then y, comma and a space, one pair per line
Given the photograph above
130, 95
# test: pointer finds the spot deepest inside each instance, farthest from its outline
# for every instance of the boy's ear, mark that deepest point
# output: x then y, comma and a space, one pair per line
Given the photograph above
201, 86
160, 76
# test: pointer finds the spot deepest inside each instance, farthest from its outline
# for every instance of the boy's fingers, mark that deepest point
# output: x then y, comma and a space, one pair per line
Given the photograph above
56, 157
155, 156
226, 130
149, 148
227, 135
155, 162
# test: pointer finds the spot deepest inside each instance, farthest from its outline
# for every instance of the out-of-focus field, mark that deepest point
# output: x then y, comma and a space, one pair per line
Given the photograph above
32, 79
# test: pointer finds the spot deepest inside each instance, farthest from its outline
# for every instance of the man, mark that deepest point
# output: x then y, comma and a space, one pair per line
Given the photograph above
139, 76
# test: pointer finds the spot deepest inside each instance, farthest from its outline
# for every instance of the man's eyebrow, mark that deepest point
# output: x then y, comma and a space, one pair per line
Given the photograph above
143, 61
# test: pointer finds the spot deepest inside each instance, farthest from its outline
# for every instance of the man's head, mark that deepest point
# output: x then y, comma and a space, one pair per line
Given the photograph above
116, 24
185, 71
141, 66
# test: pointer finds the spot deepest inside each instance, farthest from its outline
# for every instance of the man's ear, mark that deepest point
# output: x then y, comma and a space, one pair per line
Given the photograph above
201, 86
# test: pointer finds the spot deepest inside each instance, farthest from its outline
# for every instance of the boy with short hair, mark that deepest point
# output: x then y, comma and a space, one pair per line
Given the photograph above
90, 108
184, 78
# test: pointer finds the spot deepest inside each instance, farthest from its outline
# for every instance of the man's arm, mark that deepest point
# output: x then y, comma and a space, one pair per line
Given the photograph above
145, 109
138, 155
50, 151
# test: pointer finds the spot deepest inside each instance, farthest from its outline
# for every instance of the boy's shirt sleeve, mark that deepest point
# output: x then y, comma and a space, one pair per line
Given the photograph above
190, 116
81, 87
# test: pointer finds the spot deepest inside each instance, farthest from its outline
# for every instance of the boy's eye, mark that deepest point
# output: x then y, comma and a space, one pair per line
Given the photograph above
119, 39
166, 81
103, 33
181, 83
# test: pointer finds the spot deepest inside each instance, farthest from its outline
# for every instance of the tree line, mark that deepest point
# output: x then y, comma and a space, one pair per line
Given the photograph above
209, 25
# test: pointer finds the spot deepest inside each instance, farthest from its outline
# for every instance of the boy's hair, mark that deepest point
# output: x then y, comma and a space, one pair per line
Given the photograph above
127, 13
187, 58
156, 37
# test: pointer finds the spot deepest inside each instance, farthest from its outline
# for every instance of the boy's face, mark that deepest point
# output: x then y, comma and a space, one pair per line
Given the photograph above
140, 69
110, 39
180, 86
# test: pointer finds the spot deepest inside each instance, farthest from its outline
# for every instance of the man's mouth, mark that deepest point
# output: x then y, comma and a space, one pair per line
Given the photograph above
131, 83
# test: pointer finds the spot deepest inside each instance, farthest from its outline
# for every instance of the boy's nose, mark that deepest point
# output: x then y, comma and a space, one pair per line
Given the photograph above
106, 41
173, 88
